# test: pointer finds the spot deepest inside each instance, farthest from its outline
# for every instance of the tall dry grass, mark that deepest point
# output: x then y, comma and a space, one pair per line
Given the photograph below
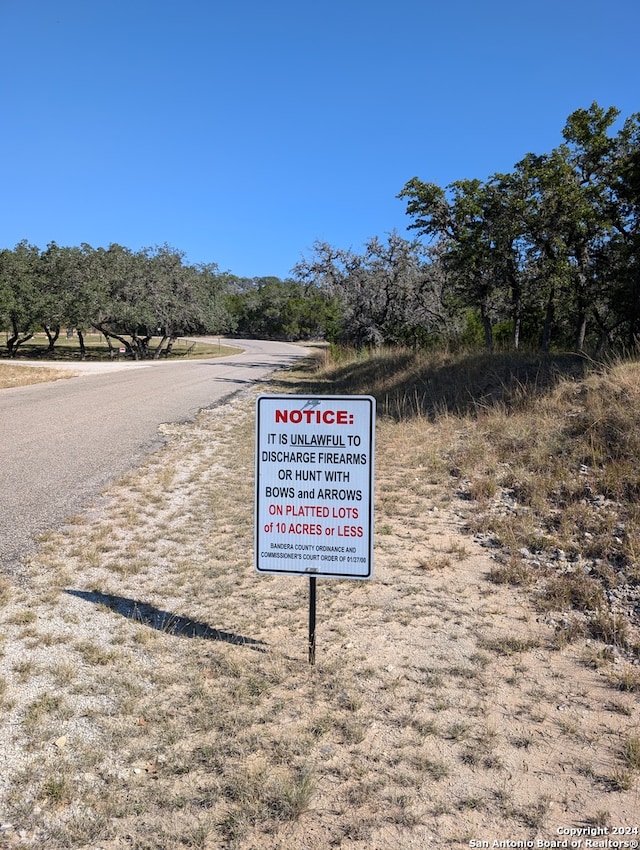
409, 383
544, 448
22, 376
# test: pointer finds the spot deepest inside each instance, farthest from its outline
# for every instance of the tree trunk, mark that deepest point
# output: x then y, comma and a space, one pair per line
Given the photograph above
548, 320
52, 336
605, 336
83, 350
158, 349
516, 304
488, 330
583, 266
144, 346
517, 316
634, 317
582, 331
108, 335
14, 342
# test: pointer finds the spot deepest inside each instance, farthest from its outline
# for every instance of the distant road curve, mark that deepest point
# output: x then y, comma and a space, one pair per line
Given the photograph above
62, 442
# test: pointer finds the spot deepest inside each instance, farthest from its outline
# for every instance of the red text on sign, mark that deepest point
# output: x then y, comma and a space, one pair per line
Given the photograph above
304, 528
350, 531
313, 511
315, 417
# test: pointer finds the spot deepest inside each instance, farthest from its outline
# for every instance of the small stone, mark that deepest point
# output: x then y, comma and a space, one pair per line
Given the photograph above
61, 742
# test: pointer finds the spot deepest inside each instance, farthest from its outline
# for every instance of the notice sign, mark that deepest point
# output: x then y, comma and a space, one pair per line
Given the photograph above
314, 485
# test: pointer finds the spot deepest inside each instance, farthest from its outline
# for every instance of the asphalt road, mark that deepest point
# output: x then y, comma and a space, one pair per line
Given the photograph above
62, 442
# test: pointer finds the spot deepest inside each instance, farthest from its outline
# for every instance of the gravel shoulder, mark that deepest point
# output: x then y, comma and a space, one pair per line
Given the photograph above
156, 691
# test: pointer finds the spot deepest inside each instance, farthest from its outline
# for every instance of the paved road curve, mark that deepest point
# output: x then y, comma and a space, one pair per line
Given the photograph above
62, 442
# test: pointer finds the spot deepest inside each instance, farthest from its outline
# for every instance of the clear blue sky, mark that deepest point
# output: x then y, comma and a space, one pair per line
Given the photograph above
240, 131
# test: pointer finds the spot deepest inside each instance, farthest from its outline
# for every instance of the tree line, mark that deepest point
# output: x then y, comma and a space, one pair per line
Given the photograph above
546, 255
130, 297
144, 300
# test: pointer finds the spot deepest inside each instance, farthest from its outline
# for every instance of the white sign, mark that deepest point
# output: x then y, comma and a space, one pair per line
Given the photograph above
314, 485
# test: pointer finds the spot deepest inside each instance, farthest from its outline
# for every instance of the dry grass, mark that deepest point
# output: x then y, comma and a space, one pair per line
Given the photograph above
156, 691
546, 452
431, 384
22, 376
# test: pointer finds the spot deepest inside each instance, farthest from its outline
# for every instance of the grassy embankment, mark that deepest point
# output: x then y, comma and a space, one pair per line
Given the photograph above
546, 451
155, 692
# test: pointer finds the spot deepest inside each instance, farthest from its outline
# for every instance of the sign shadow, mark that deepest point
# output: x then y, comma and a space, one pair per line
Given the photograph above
163, 621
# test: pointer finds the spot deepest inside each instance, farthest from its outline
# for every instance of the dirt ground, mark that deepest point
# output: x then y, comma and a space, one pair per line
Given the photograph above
156, 691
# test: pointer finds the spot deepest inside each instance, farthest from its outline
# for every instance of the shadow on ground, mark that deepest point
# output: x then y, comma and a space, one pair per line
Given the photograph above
163, 621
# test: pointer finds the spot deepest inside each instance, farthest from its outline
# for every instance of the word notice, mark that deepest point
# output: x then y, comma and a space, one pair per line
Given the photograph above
314, 485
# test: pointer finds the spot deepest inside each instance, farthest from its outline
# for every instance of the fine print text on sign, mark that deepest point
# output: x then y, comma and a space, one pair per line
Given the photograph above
314, 485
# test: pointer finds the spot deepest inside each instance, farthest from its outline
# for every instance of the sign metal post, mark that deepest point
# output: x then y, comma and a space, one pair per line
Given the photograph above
314, 489
312, 620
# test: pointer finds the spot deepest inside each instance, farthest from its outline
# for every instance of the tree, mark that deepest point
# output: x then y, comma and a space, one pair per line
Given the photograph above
384, 295
20, 294
155, 293
478, 229
87, 291
549, 222
71, 294
170, 295
556, 241
211, 291
614, 164
281, 309
571, 213
627, 224
124, 315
